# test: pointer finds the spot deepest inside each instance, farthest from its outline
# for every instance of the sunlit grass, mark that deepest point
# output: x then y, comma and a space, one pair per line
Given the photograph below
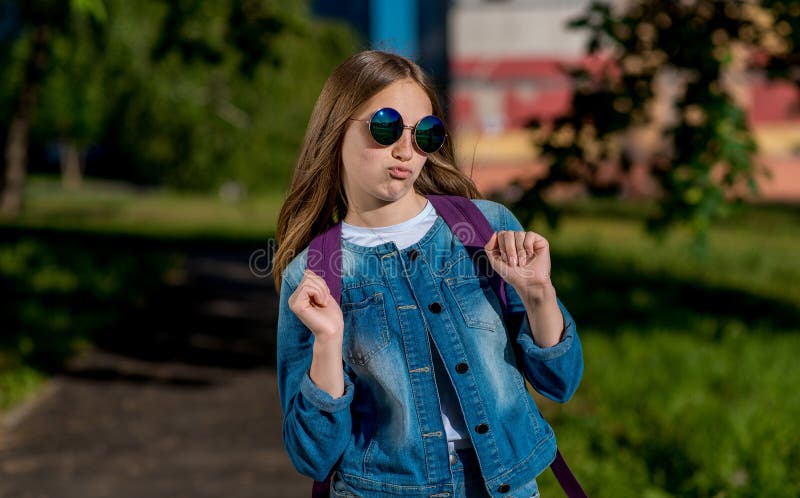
754, 257
17, 383
114, 207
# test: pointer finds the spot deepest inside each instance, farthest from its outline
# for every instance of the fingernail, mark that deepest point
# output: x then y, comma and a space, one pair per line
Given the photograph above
513, 260
522, 260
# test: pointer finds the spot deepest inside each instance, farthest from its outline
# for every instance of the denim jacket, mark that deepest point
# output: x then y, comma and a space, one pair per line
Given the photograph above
384, 436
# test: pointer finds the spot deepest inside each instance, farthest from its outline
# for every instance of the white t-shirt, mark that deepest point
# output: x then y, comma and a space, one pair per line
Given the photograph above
404, 235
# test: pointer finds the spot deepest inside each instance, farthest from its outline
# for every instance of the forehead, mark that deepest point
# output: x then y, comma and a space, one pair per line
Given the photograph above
406, 96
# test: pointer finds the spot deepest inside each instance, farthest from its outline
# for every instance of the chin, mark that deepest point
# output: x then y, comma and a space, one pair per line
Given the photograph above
394, 194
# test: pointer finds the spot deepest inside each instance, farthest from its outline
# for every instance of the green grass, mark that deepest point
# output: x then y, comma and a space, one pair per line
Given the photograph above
57, 294
690, 387
17, 383
117, 208
755, 259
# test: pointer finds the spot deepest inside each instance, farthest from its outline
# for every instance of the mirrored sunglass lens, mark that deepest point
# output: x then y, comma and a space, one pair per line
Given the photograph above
386, 126
430, 134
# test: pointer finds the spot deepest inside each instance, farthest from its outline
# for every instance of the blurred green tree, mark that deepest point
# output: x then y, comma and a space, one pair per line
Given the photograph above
190, 94
217, 92
667, 68
72, 107
782, 43
31, 27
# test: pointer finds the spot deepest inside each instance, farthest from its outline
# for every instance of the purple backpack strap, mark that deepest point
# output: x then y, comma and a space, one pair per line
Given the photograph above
324, 259
472, 228
321, 489
569, 483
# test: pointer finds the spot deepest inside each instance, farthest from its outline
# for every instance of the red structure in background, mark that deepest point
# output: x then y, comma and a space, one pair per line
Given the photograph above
551, 100
774, 102
521, 89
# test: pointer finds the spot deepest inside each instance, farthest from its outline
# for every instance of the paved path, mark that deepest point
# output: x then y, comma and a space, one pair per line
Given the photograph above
185, 407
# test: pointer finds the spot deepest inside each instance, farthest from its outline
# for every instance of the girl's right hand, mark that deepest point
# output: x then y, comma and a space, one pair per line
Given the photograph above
314, 305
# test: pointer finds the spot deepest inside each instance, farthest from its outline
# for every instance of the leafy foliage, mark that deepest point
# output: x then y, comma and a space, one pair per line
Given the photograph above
56, 300
191, 94
782, 44
72, 104
703, 158
215, 92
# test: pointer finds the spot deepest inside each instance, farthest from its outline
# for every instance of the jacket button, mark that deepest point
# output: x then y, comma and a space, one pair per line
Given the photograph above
435, 307
462, 368
504, 488
482, 428
412, 254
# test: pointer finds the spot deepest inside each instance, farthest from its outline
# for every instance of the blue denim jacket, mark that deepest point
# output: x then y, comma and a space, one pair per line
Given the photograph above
384, 436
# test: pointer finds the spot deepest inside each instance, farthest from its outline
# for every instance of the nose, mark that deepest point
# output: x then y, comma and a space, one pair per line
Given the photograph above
403, 149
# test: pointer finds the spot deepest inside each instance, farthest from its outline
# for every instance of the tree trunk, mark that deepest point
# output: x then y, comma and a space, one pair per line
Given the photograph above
71, 166
16, 158
17, 143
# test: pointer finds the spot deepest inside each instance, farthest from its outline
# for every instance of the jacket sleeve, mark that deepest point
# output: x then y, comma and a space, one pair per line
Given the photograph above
554, 372
316, 426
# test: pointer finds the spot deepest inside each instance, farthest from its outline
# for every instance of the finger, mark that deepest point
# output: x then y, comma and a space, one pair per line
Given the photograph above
529, 245
305, 296
519, 246
541, 244
492, 249
508, 247
316, 296
497, 246
309, 274
492, 244
312, 281
496, 260
312, 277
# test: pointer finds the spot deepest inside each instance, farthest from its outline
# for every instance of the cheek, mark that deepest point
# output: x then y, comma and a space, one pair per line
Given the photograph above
360, 162
418, 164
353, 150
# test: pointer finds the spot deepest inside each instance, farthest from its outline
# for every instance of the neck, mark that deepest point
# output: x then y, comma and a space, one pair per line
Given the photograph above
383, 214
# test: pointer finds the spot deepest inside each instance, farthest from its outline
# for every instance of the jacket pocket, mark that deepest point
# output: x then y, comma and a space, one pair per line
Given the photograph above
475, 299
366, 329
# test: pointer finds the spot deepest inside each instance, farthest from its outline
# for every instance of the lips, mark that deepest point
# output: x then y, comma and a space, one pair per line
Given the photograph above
399, 172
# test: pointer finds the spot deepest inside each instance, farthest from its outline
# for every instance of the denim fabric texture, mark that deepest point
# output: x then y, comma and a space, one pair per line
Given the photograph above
467, 480
384, 436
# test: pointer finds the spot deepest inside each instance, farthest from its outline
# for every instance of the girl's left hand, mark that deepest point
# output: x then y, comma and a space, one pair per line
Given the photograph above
522, 259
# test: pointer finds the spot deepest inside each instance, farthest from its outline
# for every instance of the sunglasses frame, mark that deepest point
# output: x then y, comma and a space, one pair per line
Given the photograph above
405, 127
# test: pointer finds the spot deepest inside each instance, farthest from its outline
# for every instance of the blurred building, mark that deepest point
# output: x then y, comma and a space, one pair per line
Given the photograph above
501, 60
505, 59
774, 111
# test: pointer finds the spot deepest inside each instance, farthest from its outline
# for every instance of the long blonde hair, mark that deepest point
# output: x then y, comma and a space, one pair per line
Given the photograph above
316, 199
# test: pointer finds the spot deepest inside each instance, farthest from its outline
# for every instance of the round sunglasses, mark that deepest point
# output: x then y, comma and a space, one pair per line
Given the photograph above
386, 127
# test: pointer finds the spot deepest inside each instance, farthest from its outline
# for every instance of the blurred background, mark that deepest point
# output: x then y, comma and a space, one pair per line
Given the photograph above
147, 146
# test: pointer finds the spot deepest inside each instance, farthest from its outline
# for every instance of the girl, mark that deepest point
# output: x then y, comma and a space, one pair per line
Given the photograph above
412, 386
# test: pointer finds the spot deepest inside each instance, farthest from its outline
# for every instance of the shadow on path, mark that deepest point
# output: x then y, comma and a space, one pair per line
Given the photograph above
180, 400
